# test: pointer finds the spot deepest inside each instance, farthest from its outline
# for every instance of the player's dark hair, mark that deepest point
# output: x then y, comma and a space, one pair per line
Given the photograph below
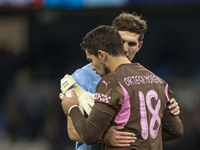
132, 23
104, 38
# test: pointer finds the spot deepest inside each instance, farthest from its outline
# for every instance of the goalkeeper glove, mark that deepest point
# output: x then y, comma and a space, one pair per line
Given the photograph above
86, 99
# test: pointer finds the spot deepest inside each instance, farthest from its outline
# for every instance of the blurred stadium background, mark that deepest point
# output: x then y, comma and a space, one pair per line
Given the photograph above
39, 44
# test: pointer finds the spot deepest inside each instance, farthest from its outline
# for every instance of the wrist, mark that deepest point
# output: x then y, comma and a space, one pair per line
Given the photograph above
71, 108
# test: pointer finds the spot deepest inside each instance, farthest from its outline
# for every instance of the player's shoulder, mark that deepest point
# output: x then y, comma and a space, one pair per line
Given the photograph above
84, 72
86, 78
109, 78
85, 69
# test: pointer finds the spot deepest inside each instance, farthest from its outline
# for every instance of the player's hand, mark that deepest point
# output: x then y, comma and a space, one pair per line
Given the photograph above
174, 108
86, 99
116, 137
68, 102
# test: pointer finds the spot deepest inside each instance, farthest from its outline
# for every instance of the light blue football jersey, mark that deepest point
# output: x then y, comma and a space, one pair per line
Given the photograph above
87, 79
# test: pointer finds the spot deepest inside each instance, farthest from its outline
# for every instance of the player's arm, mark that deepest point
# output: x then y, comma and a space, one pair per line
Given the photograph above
174, 110
73, 135
91, 130
171, 124
114, 136
67, 84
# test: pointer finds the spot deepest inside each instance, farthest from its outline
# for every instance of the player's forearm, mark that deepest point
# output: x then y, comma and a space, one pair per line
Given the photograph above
166, 136
175, 128
91, 129
174, 134
73, 135
172, 129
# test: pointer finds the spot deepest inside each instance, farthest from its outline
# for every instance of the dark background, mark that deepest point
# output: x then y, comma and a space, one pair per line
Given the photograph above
30, 112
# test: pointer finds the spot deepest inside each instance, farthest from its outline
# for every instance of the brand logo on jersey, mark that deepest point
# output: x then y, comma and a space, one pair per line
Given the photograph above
106, 84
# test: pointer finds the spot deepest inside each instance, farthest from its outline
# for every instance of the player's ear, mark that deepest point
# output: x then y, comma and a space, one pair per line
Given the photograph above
102, 55
140, 45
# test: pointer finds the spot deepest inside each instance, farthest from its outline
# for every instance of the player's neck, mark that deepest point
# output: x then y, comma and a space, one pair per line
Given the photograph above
114, 62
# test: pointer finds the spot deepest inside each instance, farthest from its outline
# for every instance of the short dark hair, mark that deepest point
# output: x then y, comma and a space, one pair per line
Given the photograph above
104, 38
132, 23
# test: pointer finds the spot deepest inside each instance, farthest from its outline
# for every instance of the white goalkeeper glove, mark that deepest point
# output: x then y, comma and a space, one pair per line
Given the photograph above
86, 99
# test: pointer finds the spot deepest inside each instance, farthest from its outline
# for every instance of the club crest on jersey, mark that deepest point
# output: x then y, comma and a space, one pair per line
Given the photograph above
102, 97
